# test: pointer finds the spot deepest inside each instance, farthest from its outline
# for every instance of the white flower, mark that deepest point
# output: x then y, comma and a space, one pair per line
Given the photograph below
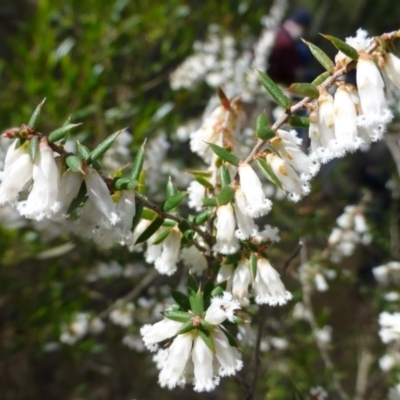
221, 308
269, 234
226, 242
320, 283
41, 202
126, 209
326, 118
69, 186
246, 226
196, 194
162, 330
391, 67
122, 315
390, 326
257, 204
76, 329
225, 274
99, 194
268, 286
241, 281
194, 259
394, 393
166, 262
318, 393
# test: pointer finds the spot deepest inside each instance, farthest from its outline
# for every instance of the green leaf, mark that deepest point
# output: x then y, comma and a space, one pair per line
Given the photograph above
210, 202
171, 189
204, 216
138, 214
60, 133
321, 78
137, 163
181, 299
207, 338
204, 182
224, 154
231, 339
196, 302
346, 49
274, 90
300, 122
225, 195
148, 214
267, 171
208, 288
186, 327
173, 201
253, 265
83, 151
263, 130
225, 176
78, 199
102, 147
33, 147
161, 237
176, 315
198, 172
169, 222
184, 226
151, 229
192, 284
217, 292
34, 119
321, 56
74, 163
125, 184
304, 89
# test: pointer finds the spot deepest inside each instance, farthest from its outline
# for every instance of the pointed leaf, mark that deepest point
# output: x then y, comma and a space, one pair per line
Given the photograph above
176, 315
207, 338
210, 202
74, 163
208, 288
181, 299
151, 229
60, 133
204, 216
83, 151
225, 195
34, 119
161, 237
125, 184
33, 147
225, 176
224, 154
198, 172
186, 327
300, 122
192, 284
231, 339
204, 182
253, 266
274, 90
346, 49
137, 163
148, 214
263, 130
81, 196
321, 56
169, 222
197, 302
138, 213
217, 292
184, 226
321, 78
101, 148
304, 89
171, 189
267, 171
173, 201
142, 183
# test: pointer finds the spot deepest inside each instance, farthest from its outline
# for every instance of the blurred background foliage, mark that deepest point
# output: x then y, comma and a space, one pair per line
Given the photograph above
107, 64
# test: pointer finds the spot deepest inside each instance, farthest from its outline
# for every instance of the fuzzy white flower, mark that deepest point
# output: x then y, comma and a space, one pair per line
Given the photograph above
122, 315
196, 194
226, 242
166, 262
390, 65
194, 259
162, 330
246, 226
241, 281
390, 326
126, 209
221, 308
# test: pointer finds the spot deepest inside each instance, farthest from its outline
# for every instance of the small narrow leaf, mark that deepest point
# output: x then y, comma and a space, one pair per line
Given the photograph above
267, 171
224, 154
225, 195
173, 201
274, 90
176, 315
83, 151
204, 182
204, 216
253, 266
181, 299
321, 56
263, 130
197, 172
34, 119
192, 284
102, 147
74, 163
231, 339
78, 199
171, 189
197, 302
210, 202
138, 214
186, 327
149, 214
346, 49
225, 176
33, 147
300, 122
217, 292
60, 133
208, 288
151, 229
125, 184
207, 338
161, 237
304, 89
137, 163
321, 78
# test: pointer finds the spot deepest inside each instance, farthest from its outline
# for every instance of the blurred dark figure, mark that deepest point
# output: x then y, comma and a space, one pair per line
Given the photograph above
290, 57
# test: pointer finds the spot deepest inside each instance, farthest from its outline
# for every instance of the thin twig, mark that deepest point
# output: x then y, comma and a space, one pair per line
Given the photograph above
366, 360
291, 258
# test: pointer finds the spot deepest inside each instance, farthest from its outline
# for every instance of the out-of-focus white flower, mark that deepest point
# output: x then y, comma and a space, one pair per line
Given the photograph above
392, 296
268, 234
388, 361
390, 326
122, 315
324, 335
194, 259
279, 343
300, 311
133, 342
394, 393
390, 65
226, 242
75, 331
268, 286
166, 262
318, 393
96, 325
257, 204
196, 194
320, 283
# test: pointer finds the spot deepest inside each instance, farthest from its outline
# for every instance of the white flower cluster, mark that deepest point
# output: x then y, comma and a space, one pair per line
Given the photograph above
81, 324
189, 357
389, 272
352, 229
